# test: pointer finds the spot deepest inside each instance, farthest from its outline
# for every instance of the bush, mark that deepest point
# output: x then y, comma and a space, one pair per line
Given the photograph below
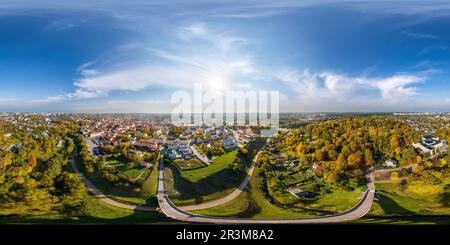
394, 176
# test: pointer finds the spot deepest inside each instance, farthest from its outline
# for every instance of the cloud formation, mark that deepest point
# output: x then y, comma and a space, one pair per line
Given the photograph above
329, 90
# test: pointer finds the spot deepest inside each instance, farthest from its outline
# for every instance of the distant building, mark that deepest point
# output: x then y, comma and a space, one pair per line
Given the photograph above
300, 193
173, 154
430, 144
315, 166
229, 143
96, 134
146, 144
294, 164
147, 164
390, 163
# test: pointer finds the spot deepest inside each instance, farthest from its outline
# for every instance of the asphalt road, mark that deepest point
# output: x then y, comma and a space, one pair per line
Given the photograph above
172, 211
201, 157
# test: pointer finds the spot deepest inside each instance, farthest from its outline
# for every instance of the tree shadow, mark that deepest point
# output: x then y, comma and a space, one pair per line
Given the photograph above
137, 217
217, 182
389, 206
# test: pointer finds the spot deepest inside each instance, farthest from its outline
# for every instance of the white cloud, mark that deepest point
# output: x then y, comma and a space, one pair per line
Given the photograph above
432, 49
328, 90
223, 40
216, 68
49, 99
419, 35
195, 30
61, 25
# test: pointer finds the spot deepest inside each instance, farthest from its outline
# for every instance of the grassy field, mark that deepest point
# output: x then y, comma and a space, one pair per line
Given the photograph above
218, 164
405, 220
123, 193
239, 207
253, 204
150, 185
130, 170
203, 184
395, 200
96, 212
190, 164
337, 201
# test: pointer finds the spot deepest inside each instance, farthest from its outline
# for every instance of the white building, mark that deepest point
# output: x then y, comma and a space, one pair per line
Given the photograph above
430, 144
229, 143
390, 163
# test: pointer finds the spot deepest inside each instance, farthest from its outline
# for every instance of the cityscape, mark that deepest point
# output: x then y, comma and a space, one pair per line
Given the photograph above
224, 112
377, 165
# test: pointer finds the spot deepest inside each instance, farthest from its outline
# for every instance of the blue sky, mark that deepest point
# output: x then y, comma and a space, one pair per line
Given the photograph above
130, 56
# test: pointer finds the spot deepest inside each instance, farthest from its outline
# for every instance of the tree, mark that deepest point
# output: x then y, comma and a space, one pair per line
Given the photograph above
32, 162
445, 196
7, 160
368, 157
354, 160
319, 155
72, 190
394, 143
394, 176
341, 163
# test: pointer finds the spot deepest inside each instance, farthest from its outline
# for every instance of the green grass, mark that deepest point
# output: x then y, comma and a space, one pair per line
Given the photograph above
394, 201
184, 192
253, 204
150, 185
405, 220
239, 207
191, 164
122, 192
338, 201
263, 208
130, 170
203, 184
96, 212
218, 164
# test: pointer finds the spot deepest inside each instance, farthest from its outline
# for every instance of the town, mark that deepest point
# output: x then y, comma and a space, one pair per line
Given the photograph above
303, 168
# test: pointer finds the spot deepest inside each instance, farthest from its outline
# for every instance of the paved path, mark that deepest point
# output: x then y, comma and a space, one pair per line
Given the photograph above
388, 170
200, 156
229, 197
172, 211
97, 193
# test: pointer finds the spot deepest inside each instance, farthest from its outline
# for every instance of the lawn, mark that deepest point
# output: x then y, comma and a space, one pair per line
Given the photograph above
130, 170
395, 201
338, 201
190, 164
123, 192
185, 192
218, 164
150, 185
96, 212
208, 183
253, 204
239, 207
203, 184
405, 220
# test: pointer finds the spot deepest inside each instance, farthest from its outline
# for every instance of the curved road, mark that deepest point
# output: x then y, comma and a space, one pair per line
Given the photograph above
97, 193
172, 211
